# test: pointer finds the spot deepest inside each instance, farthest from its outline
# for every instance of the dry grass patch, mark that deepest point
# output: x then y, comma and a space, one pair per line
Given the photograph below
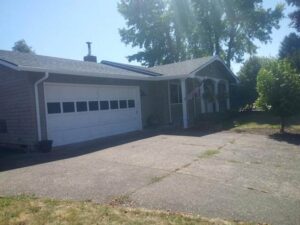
23, 210
209, 153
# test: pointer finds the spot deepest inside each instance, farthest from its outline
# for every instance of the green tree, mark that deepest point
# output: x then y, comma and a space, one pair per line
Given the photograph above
248, 78
21, 46
278, 86
150, 26
290, 50
230, 27
295, 16
173, 30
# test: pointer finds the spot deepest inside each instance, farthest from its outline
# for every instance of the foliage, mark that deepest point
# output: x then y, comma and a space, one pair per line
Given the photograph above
278, 86
173, 30
151, 27
248, 75
290, 50
21, 46
295, 16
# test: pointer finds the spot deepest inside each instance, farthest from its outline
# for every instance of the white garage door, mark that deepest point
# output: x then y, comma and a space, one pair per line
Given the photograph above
78, 113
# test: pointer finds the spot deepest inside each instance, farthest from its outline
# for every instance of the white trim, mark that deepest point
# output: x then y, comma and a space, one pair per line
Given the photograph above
37, 105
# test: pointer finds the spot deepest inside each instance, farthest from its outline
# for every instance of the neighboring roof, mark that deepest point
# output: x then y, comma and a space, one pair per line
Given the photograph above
39, 63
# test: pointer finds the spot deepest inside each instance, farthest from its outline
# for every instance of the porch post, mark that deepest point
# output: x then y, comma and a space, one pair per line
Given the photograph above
228, 97
184, 103
216, 95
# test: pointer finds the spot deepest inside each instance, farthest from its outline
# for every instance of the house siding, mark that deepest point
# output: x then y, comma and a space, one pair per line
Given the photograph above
17, 108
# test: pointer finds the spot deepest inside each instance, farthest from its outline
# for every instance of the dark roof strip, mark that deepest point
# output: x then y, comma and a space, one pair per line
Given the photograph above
131, 68
8, 62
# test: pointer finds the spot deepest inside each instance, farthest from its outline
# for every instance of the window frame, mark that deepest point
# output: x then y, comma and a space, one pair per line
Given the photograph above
63, 111
114, 101
128, 103
60, 108
86, 109
93, 110
104, 109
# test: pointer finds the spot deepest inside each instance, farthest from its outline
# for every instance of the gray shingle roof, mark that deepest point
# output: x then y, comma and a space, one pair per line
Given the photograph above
181, 68
47, 63
31, 62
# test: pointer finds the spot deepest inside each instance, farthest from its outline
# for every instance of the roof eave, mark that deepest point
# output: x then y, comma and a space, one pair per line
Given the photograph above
43, 70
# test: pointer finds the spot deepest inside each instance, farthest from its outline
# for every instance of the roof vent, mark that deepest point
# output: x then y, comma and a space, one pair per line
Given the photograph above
89, 57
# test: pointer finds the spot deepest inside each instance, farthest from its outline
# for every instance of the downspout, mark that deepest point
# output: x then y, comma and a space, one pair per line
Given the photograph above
37, 104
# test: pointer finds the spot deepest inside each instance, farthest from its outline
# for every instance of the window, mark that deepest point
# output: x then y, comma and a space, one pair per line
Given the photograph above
93, 106
114, 104
123, 104
104, 105
3, 127
68, 107
81, 106
53, 107
175, 92
131, 103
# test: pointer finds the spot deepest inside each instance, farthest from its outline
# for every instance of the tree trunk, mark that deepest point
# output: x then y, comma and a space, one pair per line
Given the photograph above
282, 125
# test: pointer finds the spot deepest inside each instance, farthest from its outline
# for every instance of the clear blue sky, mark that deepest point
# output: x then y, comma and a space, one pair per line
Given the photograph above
61, 27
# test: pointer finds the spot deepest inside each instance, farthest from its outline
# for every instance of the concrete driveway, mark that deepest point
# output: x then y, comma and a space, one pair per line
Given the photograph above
226, 175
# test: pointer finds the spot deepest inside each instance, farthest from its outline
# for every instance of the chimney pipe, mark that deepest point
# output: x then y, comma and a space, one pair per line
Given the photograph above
89, 47
89, 57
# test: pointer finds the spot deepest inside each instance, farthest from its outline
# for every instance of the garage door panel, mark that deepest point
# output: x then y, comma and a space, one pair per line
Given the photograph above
66, 128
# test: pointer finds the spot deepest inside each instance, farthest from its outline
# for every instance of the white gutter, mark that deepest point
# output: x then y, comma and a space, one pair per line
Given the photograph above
37, 104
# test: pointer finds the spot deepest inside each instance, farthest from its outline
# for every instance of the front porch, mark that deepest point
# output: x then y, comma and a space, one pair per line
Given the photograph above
191, 97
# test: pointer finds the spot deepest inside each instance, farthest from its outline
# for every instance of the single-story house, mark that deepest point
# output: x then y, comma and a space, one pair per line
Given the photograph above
70, 101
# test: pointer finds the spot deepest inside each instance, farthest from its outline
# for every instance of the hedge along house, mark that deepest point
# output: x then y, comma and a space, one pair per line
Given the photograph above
70, 101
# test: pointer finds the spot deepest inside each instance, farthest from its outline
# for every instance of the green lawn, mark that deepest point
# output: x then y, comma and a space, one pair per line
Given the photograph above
262, 121
24, 210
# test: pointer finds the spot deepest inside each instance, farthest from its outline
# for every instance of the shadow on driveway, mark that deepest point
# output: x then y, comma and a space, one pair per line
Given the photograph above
290, 138
12, 159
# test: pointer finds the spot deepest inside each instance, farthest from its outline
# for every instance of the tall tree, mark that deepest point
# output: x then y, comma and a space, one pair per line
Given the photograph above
278, 86
295, 16
21, 46
290, 50
149, 28
173, 30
